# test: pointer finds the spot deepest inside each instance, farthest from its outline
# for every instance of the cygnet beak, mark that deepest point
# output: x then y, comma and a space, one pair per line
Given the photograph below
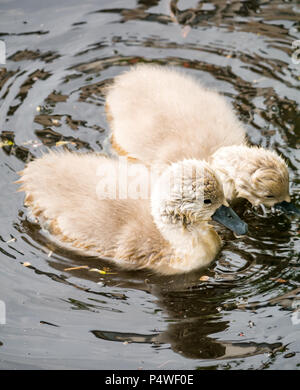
287, 207
227, 217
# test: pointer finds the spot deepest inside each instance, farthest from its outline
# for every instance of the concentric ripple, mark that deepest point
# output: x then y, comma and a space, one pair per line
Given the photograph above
241, 312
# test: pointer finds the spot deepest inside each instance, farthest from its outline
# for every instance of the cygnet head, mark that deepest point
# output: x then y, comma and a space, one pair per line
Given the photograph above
269, 178
257, 174
186, 195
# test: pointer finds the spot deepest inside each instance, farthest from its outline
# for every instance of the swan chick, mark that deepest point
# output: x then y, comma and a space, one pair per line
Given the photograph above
168, 233
162, 115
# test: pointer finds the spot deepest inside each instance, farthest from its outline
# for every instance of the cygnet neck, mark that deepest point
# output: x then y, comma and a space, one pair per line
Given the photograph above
229, 162
193, 246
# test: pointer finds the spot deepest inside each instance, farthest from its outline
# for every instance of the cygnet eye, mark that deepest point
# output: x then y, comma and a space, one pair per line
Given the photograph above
269, 196
207, 201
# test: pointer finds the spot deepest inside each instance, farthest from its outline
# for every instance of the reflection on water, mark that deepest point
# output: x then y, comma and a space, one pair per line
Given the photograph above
204, 347
60, 58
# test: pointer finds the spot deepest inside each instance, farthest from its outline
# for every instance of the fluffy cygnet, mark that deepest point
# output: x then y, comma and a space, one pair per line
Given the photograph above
168, 233
160, 115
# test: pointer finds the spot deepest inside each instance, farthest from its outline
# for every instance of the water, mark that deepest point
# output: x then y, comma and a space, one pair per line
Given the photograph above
60, 56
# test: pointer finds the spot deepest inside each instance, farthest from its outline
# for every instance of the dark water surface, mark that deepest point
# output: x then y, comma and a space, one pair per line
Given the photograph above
60, 55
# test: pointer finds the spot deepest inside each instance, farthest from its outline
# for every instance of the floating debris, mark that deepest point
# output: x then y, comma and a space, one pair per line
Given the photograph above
279, 280
241, 334
6, 143
26, 264
47, 323
50, 253
79, 267
251, 324
289, 355
165, 363
101, 271
204, 278
11, 240
60, 143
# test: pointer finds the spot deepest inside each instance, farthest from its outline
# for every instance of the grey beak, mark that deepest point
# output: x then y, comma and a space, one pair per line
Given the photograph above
287, 207
227, 217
